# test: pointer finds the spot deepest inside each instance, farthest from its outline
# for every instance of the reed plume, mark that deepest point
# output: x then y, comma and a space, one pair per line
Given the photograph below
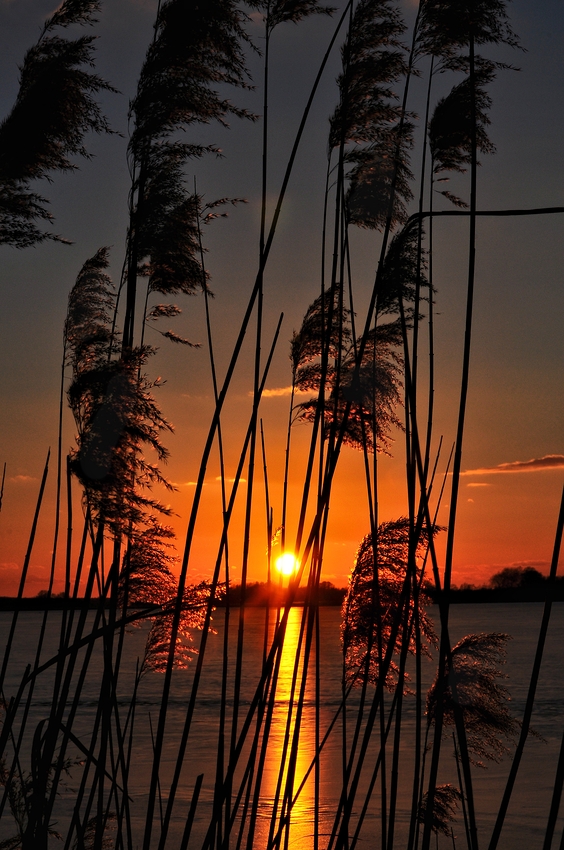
455, 118
446, 27
367, 395
445, 803
368, 125
57, 98
294, 11
194, 50
146, 578
359, 620
471, 686
112, 403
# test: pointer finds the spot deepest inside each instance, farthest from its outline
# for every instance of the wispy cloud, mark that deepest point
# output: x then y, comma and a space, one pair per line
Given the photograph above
477, 483
22, 479
277, 392
537, 564
536, 464
540, 564
232, 480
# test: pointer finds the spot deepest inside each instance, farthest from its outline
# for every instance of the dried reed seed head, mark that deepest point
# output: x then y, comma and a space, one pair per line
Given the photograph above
73, 12
196, 47
445, 804
325, 326
360, 400
381, 602
193, 614
471, 684
446, 27
116, 416
57, 98
452, 129
284, 11
368, 121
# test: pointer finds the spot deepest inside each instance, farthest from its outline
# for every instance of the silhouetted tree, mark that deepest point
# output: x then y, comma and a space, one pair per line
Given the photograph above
512, 577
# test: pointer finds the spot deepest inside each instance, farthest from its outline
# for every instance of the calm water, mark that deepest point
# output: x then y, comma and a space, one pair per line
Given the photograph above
527, 816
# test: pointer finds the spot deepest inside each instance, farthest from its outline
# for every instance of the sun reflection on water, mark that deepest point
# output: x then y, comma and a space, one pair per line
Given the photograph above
279, 753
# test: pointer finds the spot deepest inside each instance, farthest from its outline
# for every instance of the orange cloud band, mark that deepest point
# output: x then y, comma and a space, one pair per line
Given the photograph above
533, 465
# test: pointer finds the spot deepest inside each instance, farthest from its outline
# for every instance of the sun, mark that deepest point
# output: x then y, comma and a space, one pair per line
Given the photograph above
287, 564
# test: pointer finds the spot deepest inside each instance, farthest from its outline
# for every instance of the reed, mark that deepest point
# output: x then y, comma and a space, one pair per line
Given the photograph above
363, 378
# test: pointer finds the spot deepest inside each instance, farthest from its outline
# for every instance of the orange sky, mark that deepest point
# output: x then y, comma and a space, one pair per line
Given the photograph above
507, 515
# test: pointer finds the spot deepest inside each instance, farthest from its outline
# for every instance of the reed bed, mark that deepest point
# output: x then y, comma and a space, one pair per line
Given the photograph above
365, 381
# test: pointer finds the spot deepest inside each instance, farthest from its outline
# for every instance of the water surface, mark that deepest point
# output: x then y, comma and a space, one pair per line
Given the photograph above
527, 816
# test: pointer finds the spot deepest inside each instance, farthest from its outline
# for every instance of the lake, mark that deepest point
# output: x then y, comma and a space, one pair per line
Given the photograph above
526, 820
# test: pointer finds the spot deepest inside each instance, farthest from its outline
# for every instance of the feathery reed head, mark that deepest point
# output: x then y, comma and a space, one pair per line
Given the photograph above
194, 606
446, 27
56, 98
471, 684
451, 126
294, 11
323, 327
377, 596
361, 400
445, 803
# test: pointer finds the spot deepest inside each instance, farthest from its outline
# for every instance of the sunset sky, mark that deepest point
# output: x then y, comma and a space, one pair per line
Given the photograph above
513, 460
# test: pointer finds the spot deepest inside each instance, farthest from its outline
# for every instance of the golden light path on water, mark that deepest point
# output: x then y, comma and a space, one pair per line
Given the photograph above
284, 775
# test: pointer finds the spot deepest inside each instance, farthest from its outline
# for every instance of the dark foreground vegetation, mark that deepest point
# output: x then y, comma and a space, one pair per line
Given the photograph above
364, 381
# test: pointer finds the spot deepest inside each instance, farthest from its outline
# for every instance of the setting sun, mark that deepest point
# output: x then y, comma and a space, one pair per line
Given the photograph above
287, 564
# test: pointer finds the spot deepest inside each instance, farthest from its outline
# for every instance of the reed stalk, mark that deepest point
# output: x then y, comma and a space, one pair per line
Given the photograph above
535, 673
25, 568
243, 750
211, 436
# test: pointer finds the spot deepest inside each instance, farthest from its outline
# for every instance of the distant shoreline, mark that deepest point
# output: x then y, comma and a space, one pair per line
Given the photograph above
256, 597
536, 593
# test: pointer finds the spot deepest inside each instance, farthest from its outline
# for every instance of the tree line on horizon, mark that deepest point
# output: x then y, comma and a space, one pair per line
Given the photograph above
327, 593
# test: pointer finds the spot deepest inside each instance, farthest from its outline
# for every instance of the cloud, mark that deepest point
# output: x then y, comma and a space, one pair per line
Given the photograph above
22, 479
278, 392
10, 567
476, 483
534, 465
218, 478
10, 574
541, 564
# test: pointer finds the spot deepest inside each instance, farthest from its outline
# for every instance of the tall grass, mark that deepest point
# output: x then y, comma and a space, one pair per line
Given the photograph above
363, 378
